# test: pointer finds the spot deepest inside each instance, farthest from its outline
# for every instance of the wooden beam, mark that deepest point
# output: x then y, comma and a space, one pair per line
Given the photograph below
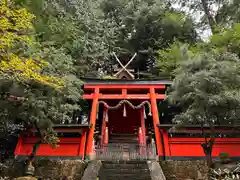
124, 93
33, 140
124, 67
123, 96
124, 86
66, 130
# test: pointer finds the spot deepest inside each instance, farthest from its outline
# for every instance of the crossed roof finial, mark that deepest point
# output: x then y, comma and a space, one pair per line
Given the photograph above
124, 67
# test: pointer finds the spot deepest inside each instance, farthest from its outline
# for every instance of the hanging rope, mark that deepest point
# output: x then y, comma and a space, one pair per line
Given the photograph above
127, 102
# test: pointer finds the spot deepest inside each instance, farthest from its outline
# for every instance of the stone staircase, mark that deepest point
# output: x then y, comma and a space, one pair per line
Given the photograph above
123, 139
124, 170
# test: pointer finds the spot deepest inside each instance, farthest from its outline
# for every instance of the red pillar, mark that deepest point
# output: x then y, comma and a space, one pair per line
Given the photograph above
92, 122
155, 121
140, 136
165, 141
19, 145
140, 139
106, 136
143, 125
103, 125
82, 144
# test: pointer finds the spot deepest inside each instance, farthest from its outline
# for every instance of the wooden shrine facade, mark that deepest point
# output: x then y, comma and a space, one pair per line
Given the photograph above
80, 140
72, 143
185, 143
125, 91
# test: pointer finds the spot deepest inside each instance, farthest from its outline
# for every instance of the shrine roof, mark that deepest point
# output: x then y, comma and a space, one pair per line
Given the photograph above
124, 81
194, 126
71, 125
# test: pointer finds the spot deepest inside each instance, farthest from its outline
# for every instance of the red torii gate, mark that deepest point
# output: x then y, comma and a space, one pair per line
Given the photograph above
152, 88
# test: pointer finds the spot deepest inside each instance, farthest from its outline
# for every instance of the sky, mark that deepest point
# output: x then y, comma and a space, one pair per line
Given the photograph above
196, 15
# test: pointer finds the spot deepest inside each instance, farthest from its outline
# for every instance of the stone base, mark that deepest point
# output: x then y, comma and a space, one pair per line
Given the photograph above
26, 178
47, 169
184, 170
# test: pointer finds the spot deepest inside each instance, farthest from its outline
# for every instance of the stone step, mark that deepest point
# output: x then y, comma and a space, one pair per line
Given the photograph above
119, 147
125, 178
123, 138
122, 135
124, 170
125, 166
127, 171
126, 162
123, 141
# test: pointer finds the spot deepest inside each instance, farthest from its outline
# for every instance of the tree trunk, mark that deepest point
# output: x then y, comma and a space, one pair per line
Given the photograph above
211, 19
207, 148
30, 168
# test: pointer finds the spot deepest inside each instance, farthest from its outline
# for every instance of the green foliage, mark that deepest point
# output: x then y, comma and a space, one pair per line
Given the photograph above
79, 29
224, 158
169, 59
207, 89
223, 155
228, 13
207, 10
33, 99
145, 27
227, 40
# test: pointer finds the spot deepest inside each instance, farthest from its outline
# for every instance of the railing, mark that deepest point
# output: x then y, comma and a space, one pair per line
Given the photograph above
126, 152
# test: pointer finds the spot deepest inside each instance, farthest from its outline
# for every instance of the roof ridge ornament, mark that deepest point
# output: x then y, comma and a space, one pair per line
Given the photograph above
124, 67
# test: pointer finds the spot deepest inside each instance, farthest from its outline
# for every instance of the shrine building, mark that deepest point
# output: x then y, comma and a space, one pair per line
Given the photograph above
125, 121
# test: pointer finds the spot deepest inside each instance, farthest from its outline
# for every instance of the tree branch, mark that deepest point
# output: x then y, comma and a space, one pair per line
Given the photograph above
211, 19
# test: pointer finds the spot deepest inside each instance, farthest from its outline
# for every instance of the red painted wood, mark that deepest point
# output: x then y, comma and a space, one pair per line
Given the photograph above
143, 125
192, 146
199, 130
140, 136
67, 147
72, 129
122, 96
106, 136
176, 146
65, 130
124, 86
18, 146
32, 140
124, 92
156, 121
93, 117
105, 112
166, 142
125, 125
82, 144
47, 150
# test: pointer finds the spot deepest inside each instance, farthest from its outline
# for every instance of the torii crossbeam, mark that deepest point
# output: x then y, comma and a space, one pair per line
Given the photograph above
124, 67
